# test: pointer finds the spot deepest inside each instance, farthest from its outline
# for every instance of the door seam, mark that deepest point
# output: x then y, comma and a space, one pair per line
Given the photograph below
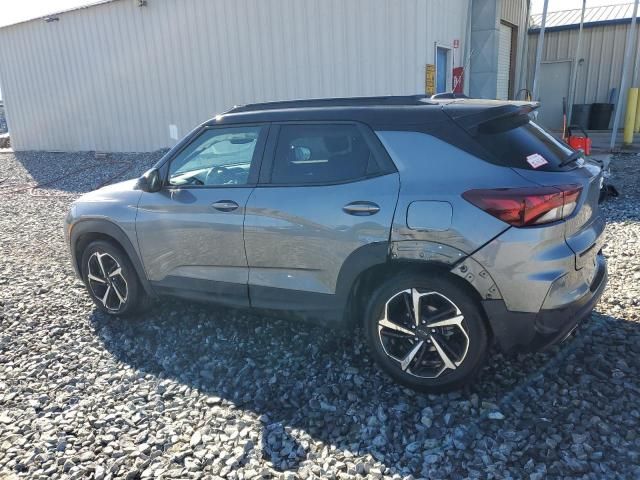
244, 244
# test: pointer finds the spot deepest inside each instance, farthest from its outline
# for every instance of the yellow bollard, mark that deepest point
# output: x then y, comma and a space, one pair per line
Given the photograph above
637, 124
630, 117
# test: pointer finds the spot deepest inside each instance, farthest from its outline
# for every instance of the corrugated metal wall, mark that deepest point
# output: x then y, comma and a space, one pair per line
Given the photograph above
515, 12
113, 77
602, 51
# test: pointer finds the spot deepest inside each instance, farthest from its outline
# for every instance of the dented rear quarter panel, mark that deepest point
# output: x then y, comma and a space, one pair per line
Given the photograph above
433, 170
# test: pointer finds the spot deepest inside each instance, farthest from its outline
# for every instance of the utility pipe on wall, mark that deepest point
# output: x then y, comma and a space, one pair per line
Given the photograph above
539, 47
466, 56
634, 82
624, 81
576, 65
524, 51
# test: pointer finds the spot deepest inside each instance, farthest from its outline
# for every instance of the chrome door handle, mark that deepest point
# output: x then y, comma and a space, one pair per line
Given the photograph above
225, 205
361, 208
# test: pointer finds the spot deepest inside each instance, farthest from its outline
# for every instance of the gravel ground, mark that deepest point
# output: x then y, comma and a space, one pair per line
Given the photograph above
192, 391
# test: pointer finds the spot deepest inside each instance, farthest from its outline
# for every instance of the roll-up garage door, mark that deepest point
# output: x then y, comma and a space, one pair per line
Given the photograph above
504, 62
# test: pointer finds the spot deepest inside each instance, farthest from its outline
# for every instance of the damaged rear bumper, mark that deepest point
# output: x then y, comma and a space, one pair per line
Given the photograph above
537, 331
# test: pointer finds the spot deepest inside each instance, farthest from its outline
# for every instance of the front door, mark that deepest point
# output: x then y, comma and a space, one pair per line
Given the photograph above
326, 191
190, 232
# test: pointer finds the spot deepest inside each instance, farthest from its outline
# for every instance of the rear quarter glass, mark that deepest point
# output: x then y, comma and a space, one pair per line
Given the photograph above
518, 142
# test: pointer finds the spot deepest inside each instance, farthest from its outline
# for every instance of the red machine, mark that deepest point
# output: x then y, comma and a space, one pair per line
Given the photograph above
582, 142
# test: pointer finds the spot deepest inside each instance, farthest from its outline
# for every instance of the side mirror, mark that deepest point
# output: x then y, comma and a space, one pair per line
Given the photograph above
150, 181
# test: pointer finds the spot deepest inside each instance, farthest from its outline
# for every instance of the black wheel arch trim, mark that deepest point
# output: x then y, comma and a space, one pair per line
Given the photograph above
357, 262
106, 227
376, 254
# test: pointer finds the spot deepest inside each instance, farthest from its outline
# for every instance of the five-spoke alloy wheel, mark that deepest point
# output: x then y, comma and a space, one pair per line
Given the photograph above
428, 334
110, 278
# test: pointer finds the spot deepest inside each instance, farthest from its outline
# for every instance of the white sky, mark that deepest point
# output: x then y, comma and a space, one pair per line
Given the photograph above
13, 11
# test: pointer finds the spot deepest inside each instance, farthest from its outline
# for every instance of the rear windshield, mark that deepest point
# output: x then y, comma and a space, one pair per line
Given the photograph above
519, 142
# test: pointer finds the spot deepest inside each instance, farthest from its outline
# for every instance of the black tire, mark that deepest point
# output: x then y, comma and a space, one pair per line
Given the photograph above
445, 297
122, 286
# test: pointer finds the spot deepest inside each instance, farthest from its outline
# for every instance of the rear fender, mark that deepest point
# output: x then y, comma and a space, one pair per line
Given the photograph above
458, 263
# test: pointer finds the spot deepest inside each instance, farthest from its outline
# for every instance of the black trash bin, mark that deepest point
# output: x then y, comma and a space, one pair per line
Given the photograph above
600, 116
580, 115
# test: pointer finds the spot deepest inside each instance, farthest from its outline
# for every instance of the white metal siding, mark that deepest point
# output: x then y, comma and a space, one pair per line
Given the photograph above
602, 51
504, 62
514, 11
113, 77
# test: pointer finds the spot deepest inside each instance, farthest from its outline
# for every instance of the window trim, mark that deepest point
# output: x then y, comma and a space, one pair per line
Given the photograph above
256, 160
381, 157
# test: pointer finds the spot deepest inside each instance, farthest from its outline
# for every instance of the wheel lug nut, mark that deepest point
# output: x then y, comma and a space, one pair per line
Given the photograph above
433, 330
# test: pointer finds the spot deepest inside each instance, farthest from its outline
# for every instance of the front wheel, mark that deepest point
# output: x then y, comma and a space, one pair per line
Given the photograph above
426, 333
111, 279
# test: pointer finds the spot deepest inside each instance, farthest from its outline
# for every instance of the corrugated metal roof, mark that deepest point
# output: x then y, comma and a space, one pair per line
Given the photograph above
592, 15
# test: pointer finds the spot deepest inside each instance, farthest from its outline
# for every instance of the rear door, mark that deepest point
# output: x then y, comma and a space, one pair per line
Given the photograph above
326, 191
190, 232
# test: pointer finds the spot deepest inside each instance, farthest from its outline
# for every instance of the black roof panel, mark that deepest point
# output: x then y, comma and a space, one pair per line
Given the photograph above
377, 112
336, 102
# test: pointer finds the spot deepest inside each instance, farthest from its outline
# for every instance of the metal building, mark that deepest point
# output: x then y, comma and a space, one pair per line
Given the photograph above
136, 75
600, 63
497, 41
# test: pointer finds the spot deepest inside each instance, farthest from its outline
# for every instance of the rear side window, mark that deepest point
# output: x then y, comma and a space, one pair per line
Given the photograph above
313, 154
518, 142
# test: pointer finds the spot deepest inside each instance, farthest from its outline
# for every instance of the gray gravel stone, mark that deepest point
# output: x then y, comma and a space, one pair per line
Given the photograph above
197, 391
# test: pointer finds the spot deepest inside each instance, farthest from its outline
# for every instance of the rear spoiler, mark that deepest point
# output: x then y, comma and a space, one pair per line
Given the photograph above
473, 117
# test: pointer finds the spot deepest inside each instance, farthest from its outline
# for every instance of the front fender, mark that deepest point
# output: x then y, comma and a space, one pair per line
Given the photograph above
104, 227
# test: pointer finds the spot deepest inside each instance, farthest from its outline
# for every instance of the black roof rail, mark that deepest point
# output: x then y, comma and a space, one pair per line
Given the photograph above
391, 100
447, 95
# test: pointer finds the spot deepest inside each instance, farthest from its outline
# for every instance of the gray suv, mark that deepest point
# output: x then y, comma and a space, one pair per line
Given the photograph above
439, 227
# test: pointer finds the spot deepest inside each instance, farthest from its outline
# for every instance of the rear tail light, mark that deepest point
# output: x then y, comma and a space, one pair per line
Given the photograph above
522, 207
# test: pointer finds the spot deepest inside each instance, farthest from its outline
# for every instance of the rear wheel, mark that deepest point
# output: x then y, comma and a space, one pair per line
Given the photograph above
427, 333
111, 279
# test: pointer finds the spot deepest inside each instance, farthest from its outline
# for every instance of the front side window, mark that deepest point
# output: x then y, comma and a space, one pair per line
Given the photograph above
218, 156
312, 154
